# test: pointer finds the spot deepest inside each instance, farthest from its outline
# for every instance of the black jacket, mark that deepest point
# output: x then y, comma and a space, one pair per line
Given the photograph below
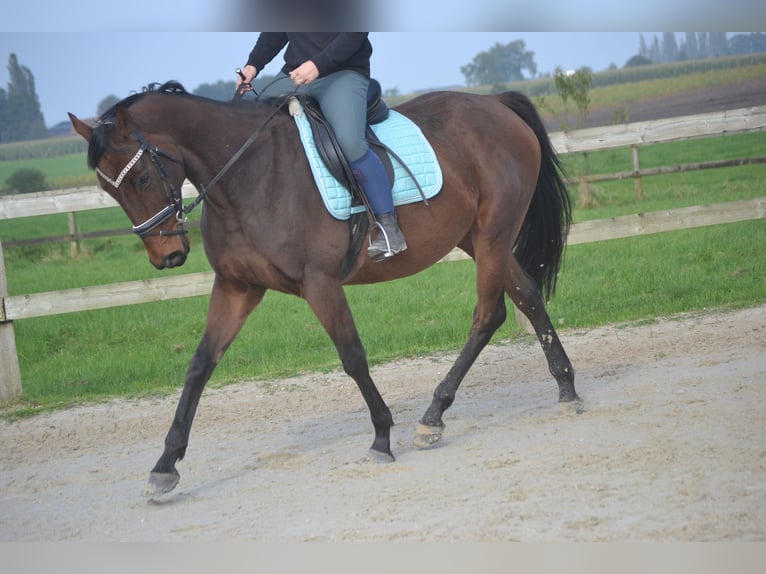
330, 51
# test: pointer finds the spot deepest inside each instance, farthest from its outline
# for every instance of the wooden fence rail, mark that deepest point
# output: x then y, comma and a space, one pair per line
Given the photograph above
664, 170
193, 284
102, 296
737, 121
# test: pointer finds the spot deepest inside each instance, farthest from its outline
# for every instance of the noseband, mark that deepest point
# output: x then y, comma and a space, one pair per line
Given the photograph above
172, 193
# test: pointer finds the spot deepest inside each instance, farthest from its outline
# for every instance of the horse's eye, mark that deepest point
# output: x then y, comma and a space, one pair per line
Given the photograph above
143, 181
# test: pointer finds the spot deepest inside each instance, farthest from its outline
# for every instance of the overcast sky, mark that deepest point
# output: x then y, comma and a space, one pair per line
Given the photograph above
80, 52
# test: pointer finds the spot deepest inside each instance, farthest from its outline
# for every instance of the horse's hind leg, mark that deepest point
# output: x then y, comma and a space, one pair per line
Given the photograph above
229, 308
526, 296
488, 316
328, 301
524, 293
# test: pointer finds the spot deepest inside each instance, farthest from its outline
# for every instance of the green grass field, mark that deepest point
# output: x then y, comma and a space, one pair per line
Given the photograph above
670, 191
60, 172
131, 351
144, 349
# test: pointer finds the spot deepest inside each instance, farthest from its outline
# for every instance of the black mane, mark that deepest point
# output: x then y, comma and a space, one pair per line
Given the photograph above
99, 142
171, 87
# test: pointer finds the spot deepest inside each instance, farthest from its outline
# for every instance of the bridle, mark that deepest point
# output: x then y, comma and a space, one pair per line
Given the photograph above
175, 205
172, 193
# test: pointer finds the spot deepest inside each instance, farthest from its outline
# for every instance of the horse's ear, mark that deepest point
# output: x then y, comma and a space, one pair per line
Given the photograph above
123, 121
81, 127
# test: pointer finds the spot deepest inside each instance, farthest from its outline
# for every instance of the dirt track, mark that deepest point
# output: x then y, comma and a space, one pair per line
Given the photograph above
672, 446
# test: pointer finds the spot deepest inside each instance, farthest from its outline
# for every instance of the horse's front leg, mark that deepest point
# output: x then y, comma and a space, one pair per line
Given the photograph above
229, 308
328, 301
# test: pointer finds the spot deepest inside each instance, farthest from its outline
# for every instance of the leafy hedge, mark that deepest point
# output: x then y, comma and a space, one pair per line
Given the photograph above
27, 180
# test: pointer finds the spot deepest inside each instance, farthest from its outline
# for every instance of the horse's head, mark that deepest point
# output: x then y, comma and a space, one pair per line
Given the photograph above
143, 172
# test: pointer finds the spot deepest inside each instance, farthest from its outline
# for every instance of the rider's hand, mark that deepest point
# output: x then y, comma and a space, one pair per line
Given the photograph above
249, 72
306, 73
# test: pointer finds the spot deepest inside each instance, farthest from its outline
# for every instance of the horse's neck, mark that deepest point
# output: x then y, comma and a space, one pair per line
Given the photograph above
222, 139
216, 133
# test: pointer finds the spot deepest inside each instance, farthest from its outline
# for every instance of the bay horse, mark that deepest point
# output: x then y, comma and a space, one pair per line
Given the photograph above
264, 226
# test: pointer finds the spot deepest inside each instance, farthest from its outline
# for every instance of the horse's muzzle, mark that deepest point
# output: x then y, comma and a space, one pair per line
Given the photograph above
175, 259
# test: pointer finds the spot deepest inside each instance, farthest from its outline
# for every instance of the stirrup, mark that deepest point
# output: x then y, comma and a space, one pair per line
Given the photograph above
382, 248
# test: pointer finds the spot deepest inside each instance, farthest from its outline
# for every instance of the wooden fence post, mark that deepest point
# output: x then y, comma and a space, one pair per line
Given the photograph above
586, 194
74, 235
639, 190
10, 375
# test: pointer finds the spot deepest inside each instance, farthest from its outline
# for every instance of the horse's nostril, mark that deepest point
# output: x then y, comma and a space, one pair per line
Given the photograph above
175, 259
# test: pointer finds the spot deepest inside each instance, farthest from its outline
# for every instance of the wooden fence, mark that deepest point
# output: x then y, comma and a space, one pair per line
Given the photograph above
97, 297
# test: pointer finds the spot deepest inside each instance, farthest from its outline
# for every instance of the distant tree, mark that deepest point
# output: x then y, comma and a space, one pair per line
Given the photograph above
21, 116
106, 104
261, 82
703, 46
501, 63
689, 47
574, 86
747, 43
221, 90
695, 45
643, 51
719, 45
3, 112
224, 90
669, 47
637, 60
655, 53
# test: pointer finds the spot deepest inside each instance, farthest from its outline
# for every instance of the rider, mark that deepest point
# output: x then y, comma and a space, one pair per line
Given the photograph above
334, 68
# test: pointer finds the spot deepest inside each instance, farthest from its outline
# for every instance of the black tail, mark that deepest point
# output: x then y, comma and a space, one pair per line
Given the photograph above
542, 239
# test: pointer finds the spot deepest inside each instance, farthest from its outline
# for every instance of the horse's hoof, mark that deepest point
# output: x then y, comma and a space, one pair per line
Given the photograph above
161, 483
574, 406
426, 436
381, 457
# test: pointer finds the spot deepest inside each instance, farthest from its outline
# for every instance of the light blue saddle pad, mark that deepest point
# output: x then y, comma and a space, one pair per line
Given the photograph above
405, 139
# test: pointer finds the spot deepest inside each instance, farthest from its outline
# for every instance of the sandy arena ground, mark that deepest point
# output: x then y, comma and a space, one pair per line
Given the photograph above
671, 447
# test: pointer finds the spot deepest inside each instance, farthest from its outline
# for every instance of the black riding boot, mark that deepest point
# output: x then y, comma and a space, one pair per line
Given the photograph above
390, 239
372, 177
